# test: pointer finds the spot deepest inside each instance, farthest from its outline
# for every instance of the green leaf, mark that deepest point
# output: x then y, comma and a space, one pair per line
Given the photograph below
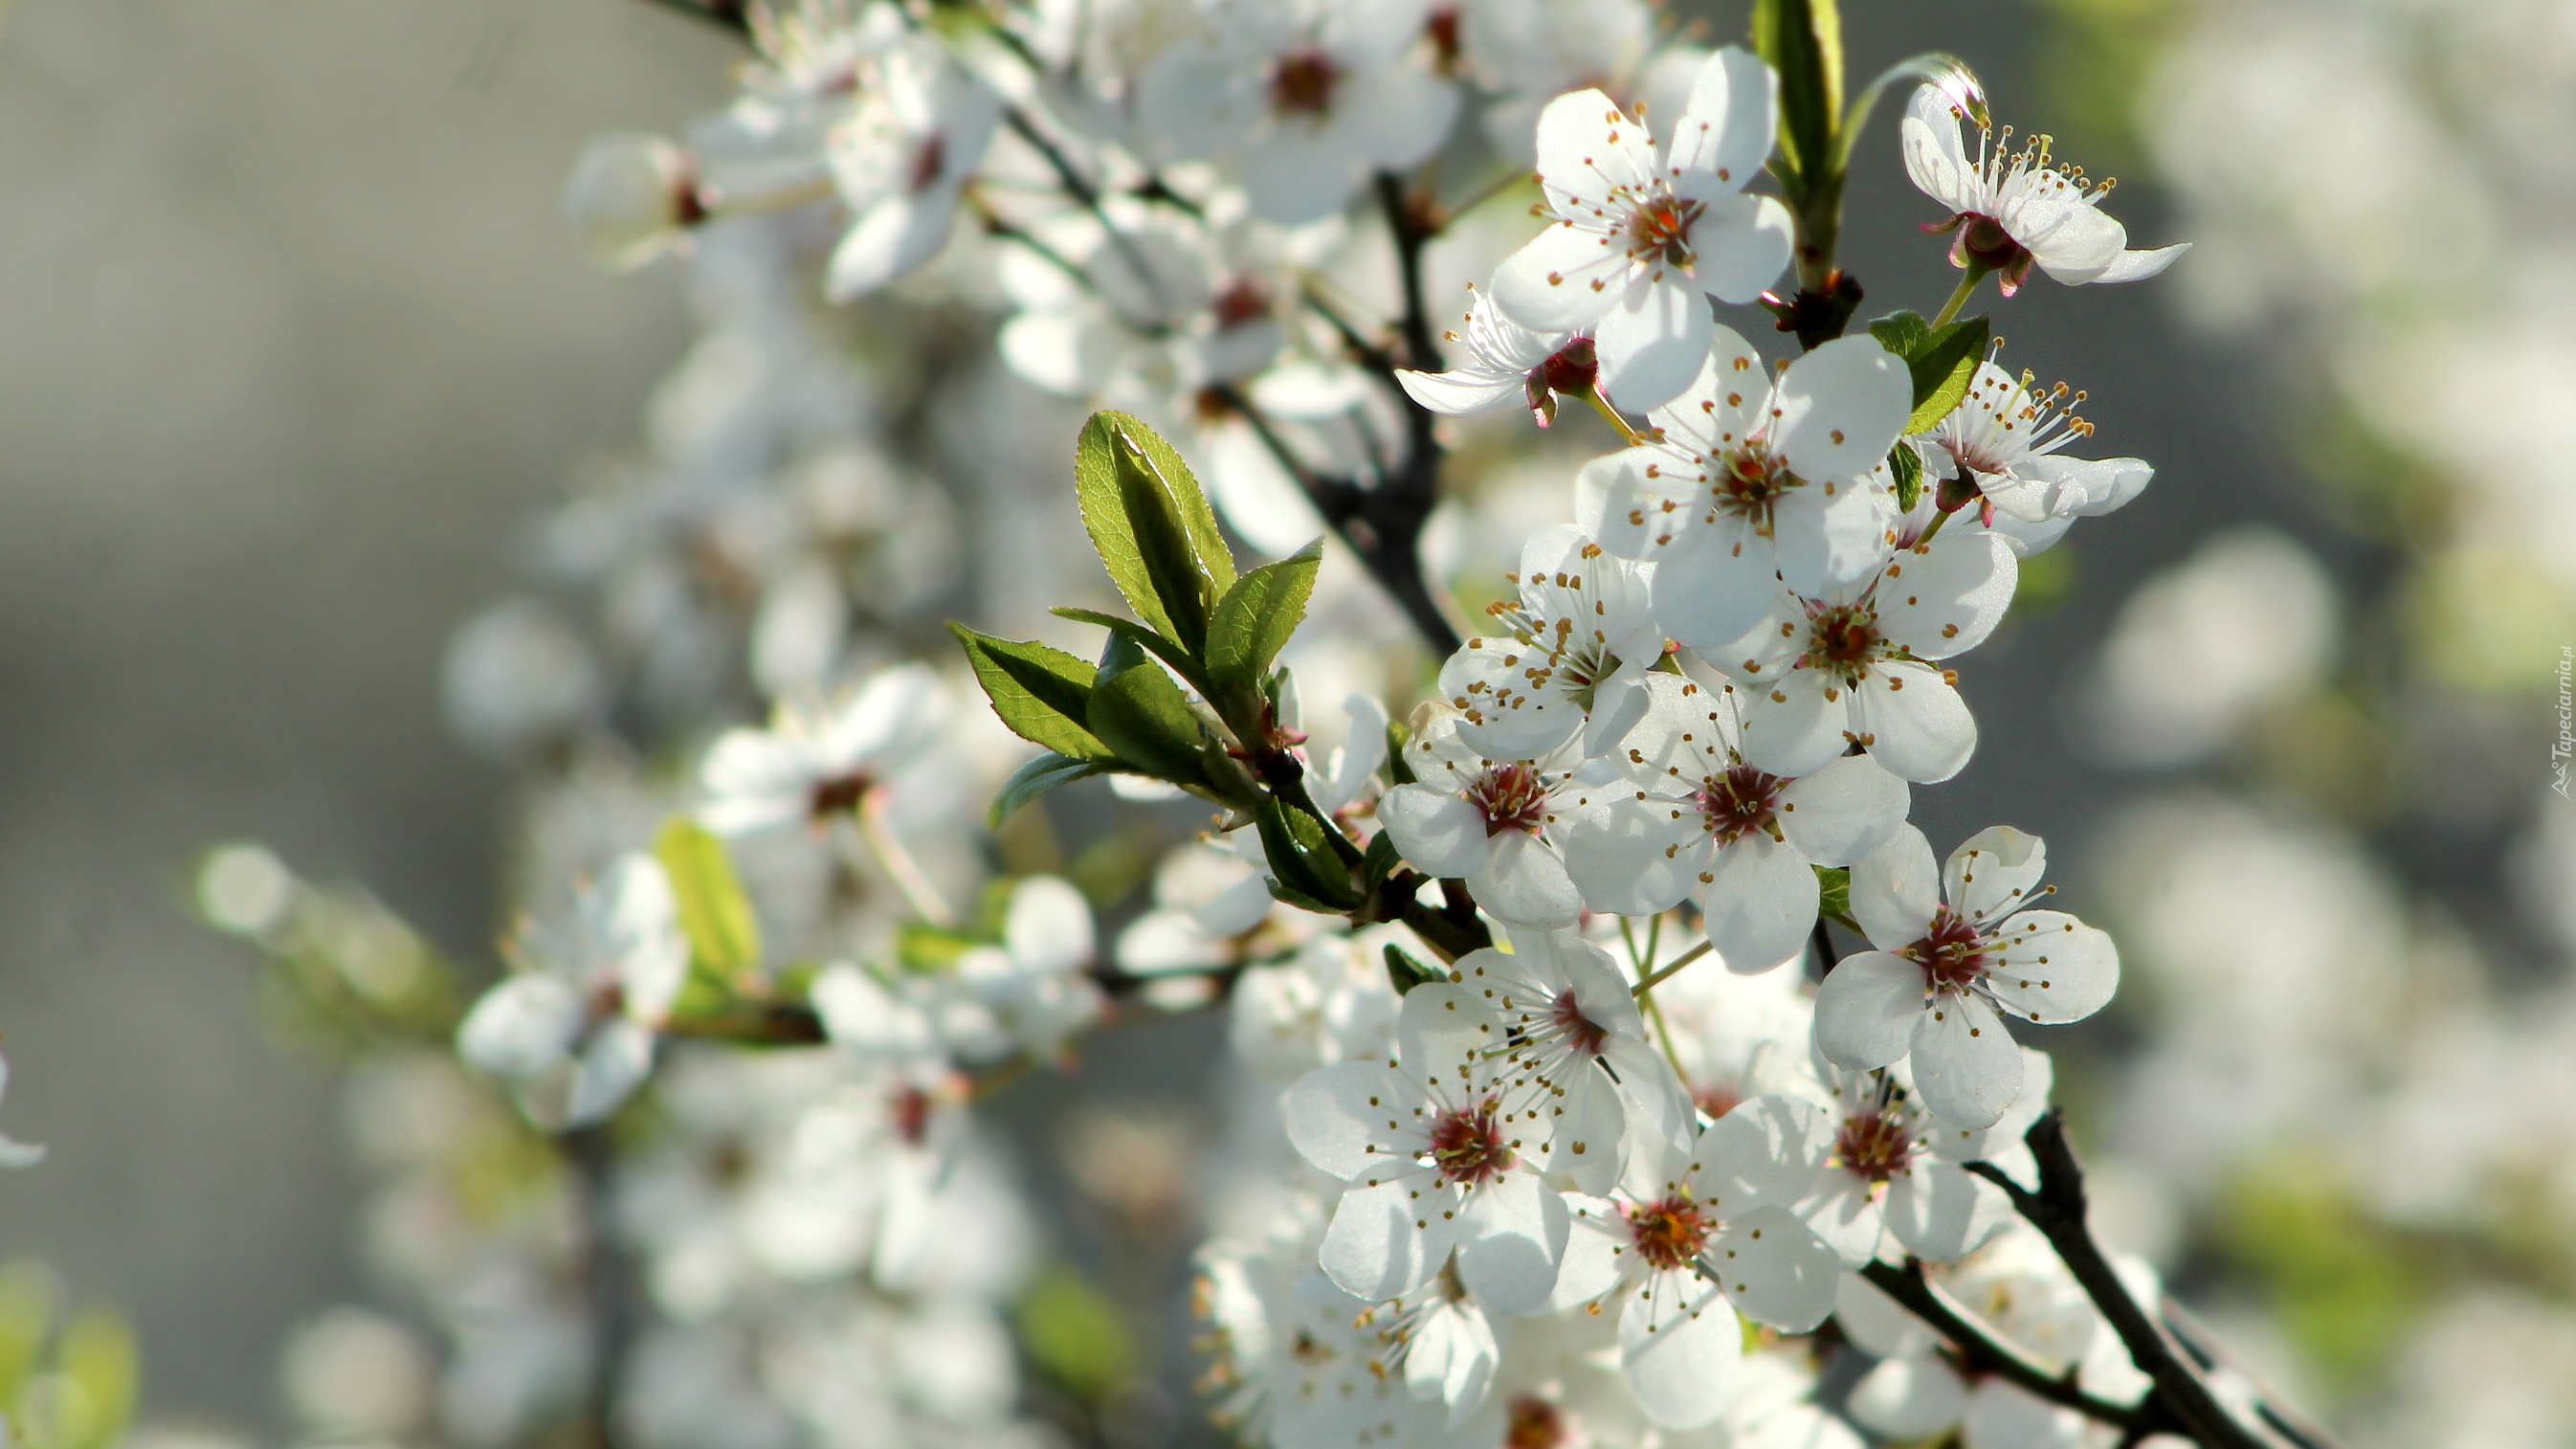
1399, 770
1183, 664
1303, 859
1142, 715
1037, 777
1803, 41
1043, 694
1382, 860
1076, 1337
1405, 973
715, 914
1833, 891
1906, 466
1942, 361
1254, 620
929, 950
1152, 527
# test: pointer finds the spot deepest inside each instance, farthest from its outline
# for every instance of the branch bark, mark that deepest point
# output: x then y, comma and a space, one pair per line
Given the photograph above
1983, 1354
607, 1303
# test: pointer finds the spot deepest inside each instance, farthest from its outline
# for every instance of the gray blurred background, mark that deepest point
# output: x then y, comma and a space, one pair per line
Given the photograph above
294, 345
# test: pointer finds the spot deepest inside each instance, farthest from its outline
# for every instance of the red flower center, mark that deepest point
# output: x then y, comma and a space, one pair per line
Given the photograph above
1513, 797
1467, 1145
839, 795
1303, 82
1535, 1424
1952, 953
1842, 640
1581, 1032
1873, 1146
1660, 227
1245, 301
1739, 802
1670, 1233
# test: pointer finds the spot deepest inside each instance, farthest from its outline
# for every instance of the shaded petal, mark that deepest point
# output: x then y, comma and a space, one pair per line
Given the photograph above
1993, 871
1725, 131
1945, 597
1879, 1324
1999, 1413
1795, 725
2054, 968
1595, 1246
1909, 1398
1713, 583
1512, 1237
1966, 1066
1942, 1213
2137, 266
1659, 1108
522, 1026
1867, 1009
1502, 716
1743, 245
1450, 1358
1679, 1345
1935, 158
1840, 408
1896, 890
1460, 392
1651, 340
1843, 811
1759, 904
1637, 855
1561, 279
610, 1068
1914, 722
1831, 534
1440, 831
1775, 1268
1390, 1239
1524, 883
889, 239
1844, 1212
1768, 1152
1348, 1118
1295, 174
1618, 505
1585, 1127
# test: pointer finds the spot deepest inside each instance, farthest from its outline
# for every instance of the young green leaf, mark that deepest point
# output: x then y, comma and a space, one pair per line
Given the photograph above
715, 914
1942, 362
1906, 466
1183, 664
1138, 712
1037, 777
1255, 619
1405, 973
1303, 859
1152, 527
1043, 694
1399, 770
1833, 894
1803, 41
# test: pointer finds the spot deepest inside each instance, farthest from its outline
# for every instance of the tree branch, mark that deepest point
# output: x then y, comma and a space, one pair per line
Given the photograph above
606, 1303
731, 16
1983, 1354
2058, 1210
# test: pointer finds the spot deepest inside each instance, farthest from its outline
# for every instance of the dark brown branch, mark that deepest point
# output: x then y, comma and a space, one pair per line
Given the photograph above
1983, 1354
731, 16
2058, 1210
607, 1301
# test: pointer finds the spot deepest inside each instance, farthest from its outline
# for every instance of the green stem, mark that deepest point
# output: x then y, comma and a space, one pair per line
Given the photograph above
1601, 405
1959, 298
1657, 978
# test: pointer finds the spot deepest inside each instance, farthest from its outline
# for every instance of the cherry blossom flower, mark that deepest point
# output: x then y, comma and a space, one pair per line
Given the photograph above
1491, 823
817, 764
1441, 1145
1440, 1340
1506, 363
632, 198
1747, 481
1330, 1002
1303, 101
2003, 440
1691, 819
1568, 657
1858, 664
1691, 1238
902, 161
583, 1009
1894, 1168
1572, 1021
1953, 952
1642, 234
2013, 209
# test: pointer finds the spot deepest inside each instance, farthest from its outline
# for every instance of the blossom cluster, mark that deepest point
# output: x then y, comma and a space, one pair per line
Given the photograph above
1565, 1117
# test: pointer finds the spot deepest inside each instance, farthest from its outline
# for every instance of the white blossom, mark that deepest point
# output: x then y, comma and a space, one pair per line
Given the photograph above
819, 763
1567, 658
1505, 363
1954, 950
2003, 439
2011, 209
1643, 233
1895, 1167
902, 161
1490, 823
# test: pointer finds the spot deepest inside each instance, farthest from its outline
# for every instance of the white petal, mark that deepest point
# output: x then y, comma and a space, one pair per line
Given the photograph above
1440, 831
2137, 266
1451, 1358
1913, 721
1878, 1324
889, 239
1586, 1126
1843, 811
1679, 1345
1743, 245
1561, 279
1634, 857
1993, 872
1776, 1269
2001, 1414
1725, 132
1867, 1009
1942, 1213
1595, 1247
1844, 1212
2054, 968
2073, 240
610, 1068
1651, 340
1946, 597
1347, 1119
1909, 1398
1404, 114
1896, 890
1295, 175
1841, 407
1441, 1026
1934, 157
1390, 1239
1524, 883
1048, 926
1768, 1152
1965, 1064
1512, 1236
1590, 154
1500, 717
1658, 1106
522, 1026
1760, 904
1714, 582
1791, 726
1617, 505
1458, 393
1830, 535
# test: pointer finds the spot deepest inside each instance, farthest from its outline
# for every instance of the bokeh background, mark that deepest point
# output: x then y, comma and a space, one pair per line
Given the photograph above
296, 349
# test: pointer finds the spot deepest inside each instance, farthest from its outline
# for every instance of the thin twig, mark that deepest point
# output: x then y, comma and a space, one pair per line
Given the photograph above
593, 1161
2058, 1209
918, 892
1983, 1353
1658, 977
